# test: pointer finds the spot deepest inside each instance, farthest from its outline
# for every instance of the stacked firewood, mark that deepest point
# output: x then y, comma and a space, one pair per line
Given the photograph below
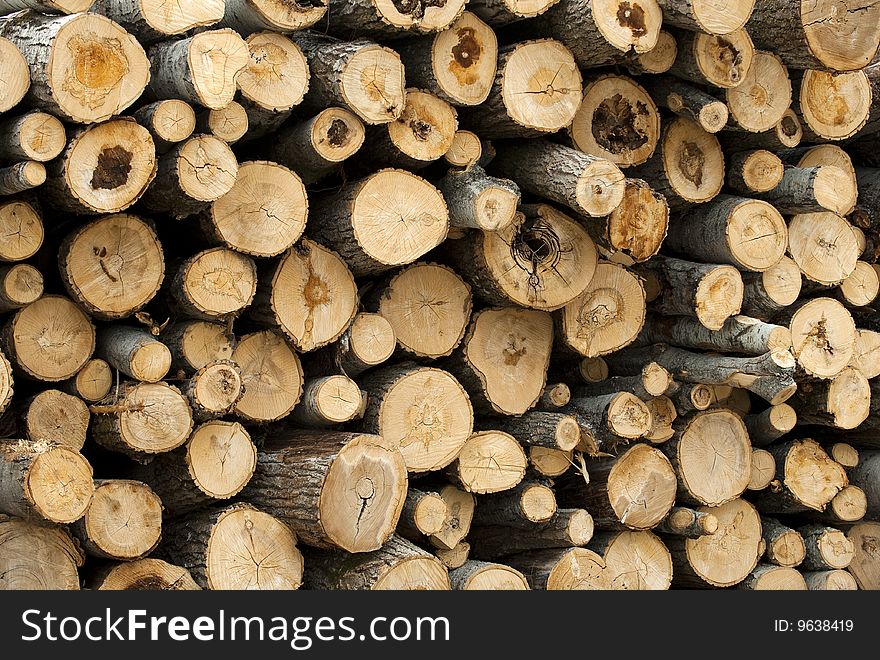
566, 294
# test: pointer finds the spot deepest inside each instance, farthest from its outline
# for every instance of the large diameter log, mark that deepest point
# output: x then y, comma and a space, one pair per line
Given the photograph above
152, 21
310, 295
708, 17
42, 481
754, 171
689, 523
823, 336
21, 177
424, 411
720, 61
209, 545
524, 506
836, 580
49, 340
218, 461
745, 233
561, 569
388, 219
724, 558
503, 359
542, 260
767, 293
633, 490
84, 68
479, 201
586, 184
142, 575
485, 576
489, 462
634, 561
739, 334
865, 566
328, 401
827, 548
812, 190
537, 90
194, 344
32, 136
818, 35
688, 101
865, 476
276, 77
810, 478
20, 285
369, 341
104, 169
397, 565
568, 528
766, 577
771, 424
334, 489
142, 419
123, 521
843, 402
636, 228
36, 555
134, 352
833, 106
761, 99
785, 546
457, 64
271, 375
15, 75
214, 284
457, 523
56, 417
712, 455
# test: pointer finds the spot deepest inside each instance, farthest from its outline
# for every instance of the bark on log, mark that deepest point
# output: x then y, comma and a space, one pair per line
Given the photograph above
754, 171
134, 352
610, 420
688, 101
740, 335
864, 475
554, 396
768, 426
479, 201
657, 60
719, 61
843, 402
543, 429
368, 342
169, 122
524, 506
709, 17
423, 514
826, 548
561, 569
688, 523
568, 528
36, 555
484, 576
20, 285
151, 21
328, 401
785, 546
32, 136
812, 190
21, 177
786, 134
768, 293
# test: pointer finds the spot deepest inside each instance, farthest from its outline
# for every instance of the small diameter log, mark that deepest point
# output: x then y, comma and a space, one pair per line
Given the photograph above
786, 134
843, 402
422, 410
20, 285
810, 478
712, 455
112, 266
691, 397
657, 60
21, 177
832, 105
134, 352
423, 514
634, 561
43, 481
218, 461
49, 340
194, 344
754, 171
537, 90
457, 523
334, 489
151, 21
830, 581
861, 287
759, 102
489, 462
503, 359
105, 168
543, 429
466, 150
91, 383
864, 475
524, 506
823, 336
359, 75
58, 47
687, 166
479, 201
191, 176
663, 414
485, 576
708, 292
739, 334
15, 75
398, 565
609, 420
602, 33
633, 490
317, 146
827, 548
634, 230
56, 417
568, 528
848, 506
229, 123
276, 77
209, 545
388, 219
589, 185
785, 546
865, 566
214, 284
688, 101
542, 260
35, 555
202, 70
812, 190
561, 569
845, 454
248, 17
766, 294
709, 17
169, 122
818, 35
327, 401
123, 521
213, 390
368, 342
587, 370
766, 577
724, 558
771, 424
271, 375
454, 558
555, 396
688, 523
503, 12
142, 575
142, 419
551, 462
617, 120
389, 20
32, 136
457, 64
719, 61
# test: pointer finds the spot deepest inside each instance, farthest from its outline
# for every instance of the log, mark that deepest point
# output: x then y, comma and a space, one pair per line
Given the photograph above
105, 168
586, 184
194, 344
771, 424
843, 402
785, 546
635, 229
422, 410
759, 102
634, 561
555, 395
848, 506
35, 555
832, 106
328, 401
215, 284
209, 545
786, 134
864, 475
708, 17
865, 566
423, 514
722, 559
169, 122
152, 21
398, 565
479, 201
609, 420
754, 171
719, 61
32, 136
271, 375
217, 462
767, 293
498, 13
248, 17
485, 576
275, 79
542, 429
213, 390
766, 577
368, 342
390, 20
57, 48
142, 575
457, 523
550, 462
809, 476
454, 558
15, 75
458, 64
826, 548
688, 523
55, 417
617, 120
812, 190
142, 419
21, 177
123, 521
529, 503
542, 260
466, 149
663, 414
91, 383
388, 219
561, 569
688, 101
823, 336
334, 489
586, 370
861, 287
830, 581
845, 454
691, 397
20, 285
43, 481
657, 60
229, 123
634, 490
741, 335
502, 347
489, 462
134, 352
568, 528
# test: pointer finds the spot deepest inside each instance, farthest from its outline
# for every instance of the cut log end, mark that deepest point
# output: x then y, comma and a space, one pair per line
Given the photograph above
719, 296
641, 487
466, 149
726, 557
277, 76
144, 575
124, 520
490, 462
373, 84
834, 106
463, 59
856, 24
823, 336
763, 95
15, 78
271, 375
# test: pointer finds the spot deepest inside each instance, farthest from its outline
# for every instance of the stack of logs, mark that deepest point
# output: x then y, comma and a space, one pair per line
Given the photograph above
561, 294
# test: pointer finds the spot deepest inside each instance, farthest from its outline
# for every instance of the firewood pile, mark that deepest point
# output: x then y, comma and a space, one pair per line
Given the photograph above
499, 294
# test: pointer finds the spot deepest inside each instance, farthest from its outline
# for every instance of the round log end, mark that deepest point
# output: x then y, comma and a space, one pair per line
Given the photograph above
220, 458
59, 483
726, 557
641, 487
124, 519
538, 503
823, 336
719, 296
